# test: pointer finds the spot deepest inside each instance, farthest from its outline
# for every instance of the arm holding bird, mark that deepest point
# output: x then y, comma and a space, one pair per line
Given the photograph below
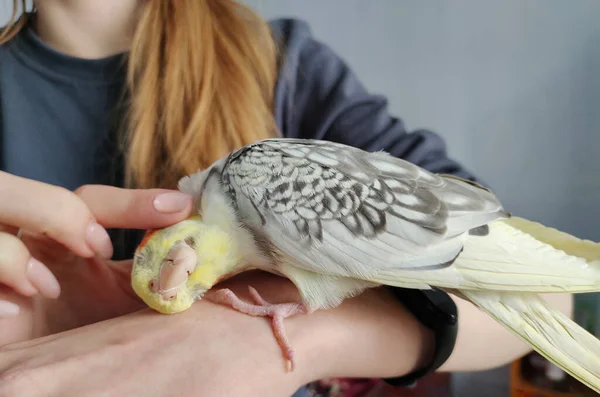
337, 221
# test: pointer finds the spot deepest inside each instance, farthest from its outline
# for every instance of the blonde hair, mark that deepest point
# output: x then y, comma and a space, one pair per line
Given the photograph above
201, 77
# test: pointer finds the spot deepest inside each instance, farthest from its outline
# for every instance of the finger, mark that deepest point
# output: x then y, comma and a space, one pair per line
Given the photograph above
9, 229
135, 208
23, 273
8, 308
52, 211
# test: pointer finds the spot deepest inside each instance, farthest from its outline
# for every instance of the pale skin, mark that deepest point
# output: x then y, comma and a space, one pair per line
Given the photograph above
92, 290
262, 308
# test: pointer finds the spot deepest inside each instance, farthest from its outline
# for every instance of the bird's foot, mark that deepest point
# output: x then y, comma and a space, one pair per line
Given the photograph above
262, 308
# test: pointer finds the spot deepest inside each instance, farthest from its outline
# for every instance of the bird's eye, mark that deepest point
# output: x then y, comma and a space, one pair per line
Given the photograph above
191, 242
139, 258
152, 285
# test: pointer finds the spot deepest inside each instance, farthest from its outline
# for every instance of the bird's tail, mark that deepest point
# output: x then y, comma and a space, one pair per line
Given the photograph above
502, 271
514, 255
526, 256
547, 330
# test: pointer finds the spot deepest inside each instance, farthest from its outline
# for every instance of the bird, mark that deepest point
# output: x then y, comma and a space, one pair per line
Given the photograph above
337, 220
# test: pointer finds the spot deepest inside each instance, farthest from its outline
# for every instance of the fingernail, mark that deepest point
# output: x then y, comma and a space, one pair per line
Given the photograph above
28, 289
172, 202
99, 240
8, 309
43, 279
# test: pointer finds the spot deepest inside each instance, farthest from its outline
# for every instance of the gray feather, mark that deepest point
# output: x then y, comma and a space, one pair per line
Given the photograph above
342, 211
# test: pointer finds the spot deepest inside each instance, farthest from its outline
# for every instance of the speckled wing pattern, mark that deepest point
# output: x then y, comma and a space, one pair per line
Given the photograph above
346, 212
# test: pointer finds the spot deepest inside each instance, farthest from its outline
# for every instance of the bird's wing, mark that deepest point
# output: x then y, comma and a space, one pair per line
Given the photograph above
342, 211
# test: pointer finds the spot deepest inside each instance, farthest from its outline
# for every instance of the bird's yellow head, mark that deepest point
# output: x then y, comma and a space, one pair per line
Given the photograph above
173, 267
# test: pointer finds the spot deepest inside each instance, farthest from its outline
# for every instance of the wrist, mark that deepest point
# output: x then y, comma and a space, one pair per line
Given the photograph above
437, 311
263, 352
371, 335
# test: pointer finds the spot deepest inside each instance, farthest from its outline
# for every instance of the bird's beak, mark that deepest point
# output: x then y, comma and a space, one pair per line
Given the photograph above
174, 271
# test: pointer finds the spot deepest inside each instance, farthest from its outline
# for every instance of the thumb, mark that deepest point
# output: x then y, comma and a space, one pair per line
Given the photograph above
120, 208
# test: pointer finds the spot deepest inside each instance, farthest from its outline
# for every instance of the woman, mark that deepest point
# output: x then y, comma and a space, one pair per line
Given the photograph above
105, 104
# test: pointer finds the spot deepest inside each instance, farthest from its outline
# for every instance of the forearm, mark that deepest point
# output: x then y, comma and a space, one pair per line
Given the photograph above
482, 343
371, 335
382, 339
374, 335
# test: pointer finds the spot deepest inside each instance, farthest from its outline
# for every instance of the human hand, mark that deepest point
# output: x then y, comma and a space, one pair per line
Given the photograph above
212, 350
208, 350
64, 238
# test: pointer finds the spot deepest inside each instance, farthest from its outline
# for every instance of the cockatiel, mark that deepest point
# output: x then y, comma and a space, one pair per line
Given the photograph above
337, 220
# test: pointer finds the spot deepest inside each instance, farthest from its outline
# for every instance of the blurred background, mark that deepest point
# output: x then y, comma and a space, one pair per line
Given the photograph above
512, 85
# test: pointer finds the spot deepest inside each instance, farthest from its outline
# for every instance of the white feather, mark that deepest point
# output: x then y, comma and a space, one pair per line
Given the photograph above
509, 258
215, 208
553, 334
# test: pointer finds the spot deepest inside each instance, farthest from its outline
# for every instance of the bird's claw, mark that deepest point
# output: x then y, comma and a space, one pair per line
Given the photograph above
263, 308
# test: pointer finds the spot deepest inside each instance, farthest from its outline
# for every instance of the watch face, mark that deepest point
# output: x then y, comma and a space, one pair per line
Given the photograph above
442, 305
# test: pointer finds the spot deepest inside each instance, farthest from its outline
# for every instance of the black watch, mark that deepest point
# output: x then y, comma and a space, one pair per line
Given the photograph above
437, 311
